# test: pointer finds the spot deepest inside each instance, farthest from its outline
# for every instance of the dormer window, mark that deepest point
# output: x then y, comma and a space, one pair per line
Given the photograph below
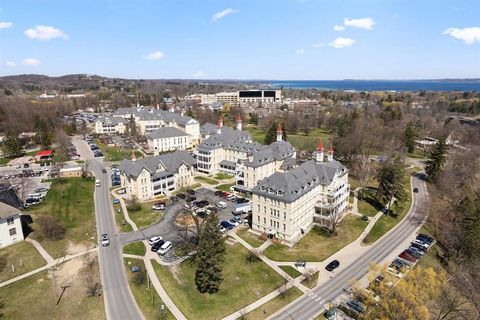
279, 193
270, 190
262, 188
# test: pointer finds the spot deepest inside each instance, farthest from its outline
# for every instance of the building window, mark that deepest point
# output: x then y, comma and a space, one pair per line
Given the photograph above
284, 227
10, 221
13, 231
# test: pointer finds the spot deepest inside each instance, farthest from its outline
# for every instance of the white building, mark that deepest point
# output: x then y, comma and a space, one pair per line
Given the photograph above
10, 225
285, 203
167, 139
157, 175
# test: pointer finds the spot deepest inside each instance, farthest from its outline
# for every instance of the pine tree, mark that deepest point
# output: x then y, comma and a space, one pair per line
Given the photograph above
436, 160
390, 186
210, 257
11, 145
468, 209
409, 137
271, 135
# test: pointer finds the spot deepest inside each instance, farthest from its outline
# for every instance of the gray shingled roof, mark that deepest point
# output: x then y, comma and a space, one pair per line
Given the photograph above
145, 113
171, 162
275, 151
166, 132
106, 120
228, 139
293, 184
8, 211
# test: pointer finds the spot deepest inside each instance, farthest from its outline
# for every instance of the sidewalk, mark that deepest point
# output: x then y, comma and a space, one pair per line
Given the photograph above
48, 258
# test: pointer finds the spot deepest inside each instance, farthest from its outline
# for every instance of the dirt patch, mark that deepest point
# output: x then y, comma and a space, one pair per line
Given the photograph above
175, 272
74, 248
185, 220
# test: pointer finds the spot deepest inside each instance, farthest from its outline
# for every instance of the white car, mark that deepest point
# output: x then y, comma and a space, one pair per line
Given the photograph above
158, 207
231, 197
97, 183
105, 240
234, 222
395, 272
222, 229
221, 204
164, 248
154, 240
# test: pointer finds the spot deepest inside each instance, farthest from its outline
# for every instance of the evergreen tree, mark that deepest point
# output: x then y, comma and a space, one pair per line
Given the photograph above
409, 136
468, 209
271, 135
12, 146
437, 158
390, 176
210, 257
132, 127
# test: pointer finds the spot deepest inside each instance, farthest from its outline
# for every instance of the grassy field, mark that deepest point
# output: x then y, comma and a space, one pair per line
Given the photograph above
70, 200
313, 281
249, 237
274, 305
243, 284
146, 298
146, 216
32, 298
23, 256
318, 245
122, 224
206, 180
387, 222
137, 248
368, 205
291, 271
223, 176
116, 153
225, 187
299, 140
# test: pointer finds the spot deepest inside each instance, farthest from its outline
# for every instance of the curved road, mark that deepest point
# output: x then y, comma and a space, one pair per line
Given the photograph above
119, 300
310, 305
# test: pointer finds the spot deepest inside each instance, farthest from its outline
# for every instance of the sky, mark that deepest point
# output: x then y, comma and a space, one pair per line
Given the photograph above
242, 39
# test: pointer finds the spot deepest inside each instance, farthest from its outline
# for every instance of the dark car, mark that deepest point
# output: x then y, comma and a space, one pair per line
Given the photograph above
227, 225
415, 190
356, 305
406, 256
413, 253
424, 238
157, 245
332, 265
104, 171
218, 193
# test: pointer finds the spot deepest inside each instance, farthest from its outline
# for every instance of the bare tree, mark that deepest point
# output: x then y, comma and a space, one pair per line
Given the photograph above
332, 221
25, 186
50, 228
308, 274
287, 283
91, 276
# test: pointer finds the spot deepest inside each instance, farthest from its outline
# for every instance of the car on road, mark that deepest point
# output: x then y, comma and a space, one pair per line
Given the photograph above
104, 171
154, 240
221, 204
158, 206
97, 183
415, 190
227, 225
356, 305
105, 240
164, 248
157, 245
332, 265
115, 201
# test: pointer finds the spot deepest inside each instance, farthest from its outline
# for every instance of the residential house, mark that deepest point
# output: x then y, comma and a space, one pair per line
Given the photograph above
10, 225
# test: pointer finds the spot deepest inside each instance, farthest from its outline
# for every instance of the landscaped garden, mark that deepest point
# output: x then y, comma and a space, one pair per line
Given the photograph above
243, 284
206, 180
318, 244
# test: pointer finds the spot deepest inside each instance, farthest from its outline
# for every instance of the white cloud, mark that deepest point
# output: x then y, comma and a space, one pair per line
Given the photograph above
341, 42
45, 33
364, 23
300, 51
468, 35
219, 15
338, 28
318, 45
10, 64
31, 62
5, 25
199, 74
157, 55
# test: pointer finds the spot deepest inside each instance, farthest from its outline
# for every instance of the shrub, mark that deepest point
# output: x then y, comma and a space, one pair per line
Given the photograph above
50, 228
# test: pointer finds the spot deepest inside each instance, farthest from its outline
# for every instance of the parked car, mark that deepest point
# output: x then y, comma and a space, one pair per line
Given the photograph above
404, 255
234, 222
222, 229
157, 206
403, 263
420, 244
115, 201
218, 193
104, 171
332, 265
105, 240
356, 305
413, 253
227, 225
221, 204
395, 272
415, 190
41, 190
424, 238
415, 249
165, 248
154, 240
157, 245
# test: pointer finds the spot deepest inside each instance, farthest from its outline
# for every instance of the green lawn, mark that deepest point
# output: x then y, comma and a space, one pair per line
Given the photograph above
137, 248
243, 284
367, 204
145, 216
223, 176
206, 180
23, 256
313, 281
70, 200
299, 140
116, 153
32, 298
122, 224
225, 187
146, 298
291, 271
318, 245
249, 237
387, 222
274, 305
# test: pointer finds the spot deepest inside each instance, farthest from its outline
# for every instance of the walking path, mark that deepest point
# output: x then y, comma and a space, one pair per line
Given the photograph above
48, 258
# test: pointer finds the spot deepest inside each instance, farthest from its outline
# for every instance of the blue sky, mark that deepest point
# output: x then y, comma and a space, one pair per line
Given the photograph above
242, 39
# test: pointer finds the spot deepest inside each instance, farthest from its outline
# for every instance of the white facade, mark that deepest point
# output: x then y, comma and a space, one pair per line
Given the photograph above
164, 144
10, 225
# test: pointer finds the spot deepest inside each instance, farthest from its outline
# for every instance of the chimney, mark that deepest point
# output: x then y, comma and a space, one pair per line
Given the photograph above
219, 125
158, 106
320, 151
330, 152
134, 158
279, 133
238, 120
172, 109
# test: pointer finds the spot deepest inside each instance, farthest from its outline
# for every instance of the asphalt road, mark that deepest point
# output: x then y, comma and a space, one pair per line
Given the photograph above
309, 305
119, 301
